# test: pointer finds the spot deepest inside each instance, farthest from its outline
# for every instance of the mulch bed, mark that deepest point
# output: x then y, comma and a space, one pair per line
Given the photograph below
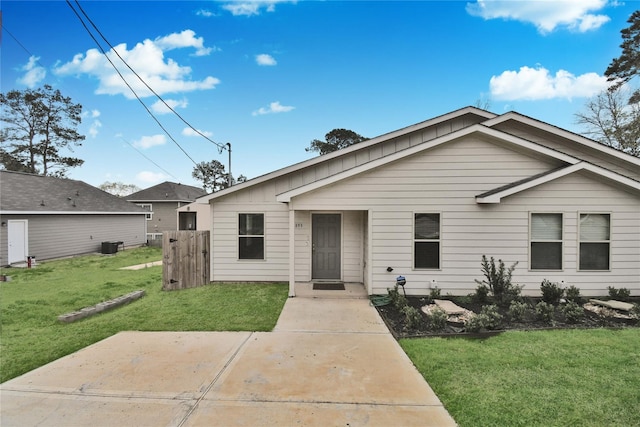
395, 319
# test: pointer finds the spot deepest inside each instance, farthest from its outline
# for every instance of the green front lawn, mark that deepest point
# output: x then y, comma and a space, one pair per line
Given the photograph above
31, 302
544, 378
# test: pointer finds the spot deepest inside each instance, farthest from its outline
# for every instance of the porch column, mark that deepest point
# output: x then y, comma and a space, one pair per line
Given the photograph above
292, 250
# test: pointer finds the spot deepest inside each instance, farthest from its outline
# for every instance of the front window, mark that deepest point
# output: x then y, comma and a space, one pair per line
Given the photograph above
546, 241
251, 236
426, 241
595, 241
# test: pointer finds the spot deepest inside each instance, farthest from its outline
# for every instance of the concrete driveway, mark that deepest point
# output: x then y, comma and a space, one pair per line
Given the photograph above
328, 362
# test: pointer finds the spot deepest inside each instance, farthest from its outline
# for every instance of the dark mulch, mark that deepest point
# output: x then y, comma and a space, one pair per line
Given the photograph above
396, 322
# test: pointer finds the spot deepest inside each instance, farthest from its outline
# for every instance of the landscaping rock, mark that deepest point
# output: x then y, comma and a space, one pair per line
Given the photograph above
449, 307
616, 305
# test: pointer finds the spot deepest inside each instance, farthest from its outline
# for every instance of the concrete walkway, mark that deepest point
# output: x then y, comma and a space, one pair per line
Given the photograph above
328, 362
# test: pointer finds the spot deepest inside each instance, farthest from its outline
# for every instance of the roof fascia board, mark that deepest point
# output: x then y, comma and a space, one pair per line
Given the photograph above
496, 197
479, 128
363, 145
564, 134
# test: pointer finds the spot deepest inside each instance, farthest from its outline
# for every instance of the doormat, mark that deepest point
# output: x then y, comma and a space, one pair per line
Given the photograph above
328, 286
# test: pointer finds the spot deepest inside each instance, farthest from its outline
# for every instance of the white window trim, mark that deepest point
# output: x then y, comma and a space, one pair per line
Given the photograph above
593, 241
561, 241
149, 215
414, 240
264, 237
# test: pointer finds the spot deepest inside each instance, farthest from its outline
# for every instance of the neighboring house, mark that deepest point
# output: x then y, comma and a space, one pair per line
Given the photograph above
161, 202
427, 201
48, 217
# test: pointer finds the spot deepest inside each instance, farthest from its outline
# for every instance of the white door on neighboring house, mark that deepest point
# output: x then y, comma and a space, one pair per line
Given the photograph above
17, 236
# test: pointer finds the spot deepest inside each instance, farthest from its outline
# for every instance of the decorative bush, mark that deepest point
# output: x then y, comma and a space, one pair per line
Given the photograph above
437, 319
573, 312
572, 293
551, 292
397, 299
434, 293
491, 317
498, 279
545, 312
412, 317
621, 294
482, 294
475, 323
517, 311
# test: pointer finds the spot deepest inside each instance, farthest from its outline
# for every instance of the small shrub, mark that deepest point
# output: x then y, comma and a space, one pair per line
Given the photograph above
491, 317
551, 292
572, 293
621, 294
434, 293
437, 319
397, 299
482, 294
573, 312
545, 312
517, 311
635, 311
412, 317
475, 323
498, 279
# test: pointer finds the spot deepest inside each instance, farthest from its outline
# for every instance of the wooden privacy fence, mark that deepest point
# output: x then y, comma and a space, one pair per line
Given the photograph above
185, 259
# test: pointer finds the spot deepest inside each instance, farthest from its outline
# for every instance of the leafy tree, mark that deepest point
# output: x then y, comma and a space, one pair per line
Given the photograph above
214, 176
627, 65
119, 189
336, 140
609, 119
39, 124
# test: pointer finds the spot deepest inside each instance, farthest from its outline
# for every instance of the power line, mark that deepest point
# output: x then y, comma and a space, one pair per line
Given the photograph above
128, 85
220, 146
124, 140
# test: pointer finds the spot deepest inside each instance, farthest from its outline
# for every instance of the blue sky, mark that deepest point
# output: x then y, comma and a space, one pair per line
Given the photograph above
270, 76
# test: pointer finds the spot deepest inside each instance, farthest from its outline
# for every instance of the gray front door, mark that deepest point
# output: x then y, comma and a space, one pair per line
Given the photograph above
326, 231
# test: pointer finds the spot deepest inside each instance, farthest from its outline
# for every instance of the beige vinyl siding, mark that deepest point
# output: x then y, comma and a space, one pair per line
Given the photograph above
446, 180
56, 236
165, 217
226, 267
569, 147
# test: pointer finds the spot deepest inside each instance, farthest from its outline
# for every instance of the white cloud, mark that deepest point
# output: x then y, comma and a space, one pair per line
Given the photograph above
546, 15
95, 113
206, 13
186, 38
147, 58
34, 73
94, 128
264, 59
538, 83
191, 132
159, 107
150, 141
273, 108
252, 7
150, 177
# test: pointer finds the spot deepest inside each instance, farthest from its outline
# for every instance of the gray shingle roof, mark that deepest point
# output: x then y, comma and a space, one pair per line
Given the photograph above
23, 192
167, 192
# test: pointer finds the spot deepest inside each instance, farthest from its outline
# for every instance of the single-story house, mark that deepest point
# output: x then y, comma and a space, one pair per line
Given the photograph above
161, 202
47, 217
429, 200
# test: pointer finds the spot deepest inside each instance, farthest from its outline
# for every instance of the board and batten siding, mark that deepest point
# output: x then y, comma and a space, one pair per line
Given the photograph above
56, 236
446, 180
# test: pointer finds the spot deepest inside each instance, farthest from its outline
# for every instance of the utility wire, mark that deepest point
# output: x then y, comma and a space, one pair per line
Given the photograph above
221, 147
124, 140
129, 86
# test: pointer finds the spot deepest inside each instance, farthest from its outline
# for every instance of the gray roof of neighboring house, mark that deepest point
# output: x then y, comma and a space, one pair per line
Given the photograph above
167, 192
23, 192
